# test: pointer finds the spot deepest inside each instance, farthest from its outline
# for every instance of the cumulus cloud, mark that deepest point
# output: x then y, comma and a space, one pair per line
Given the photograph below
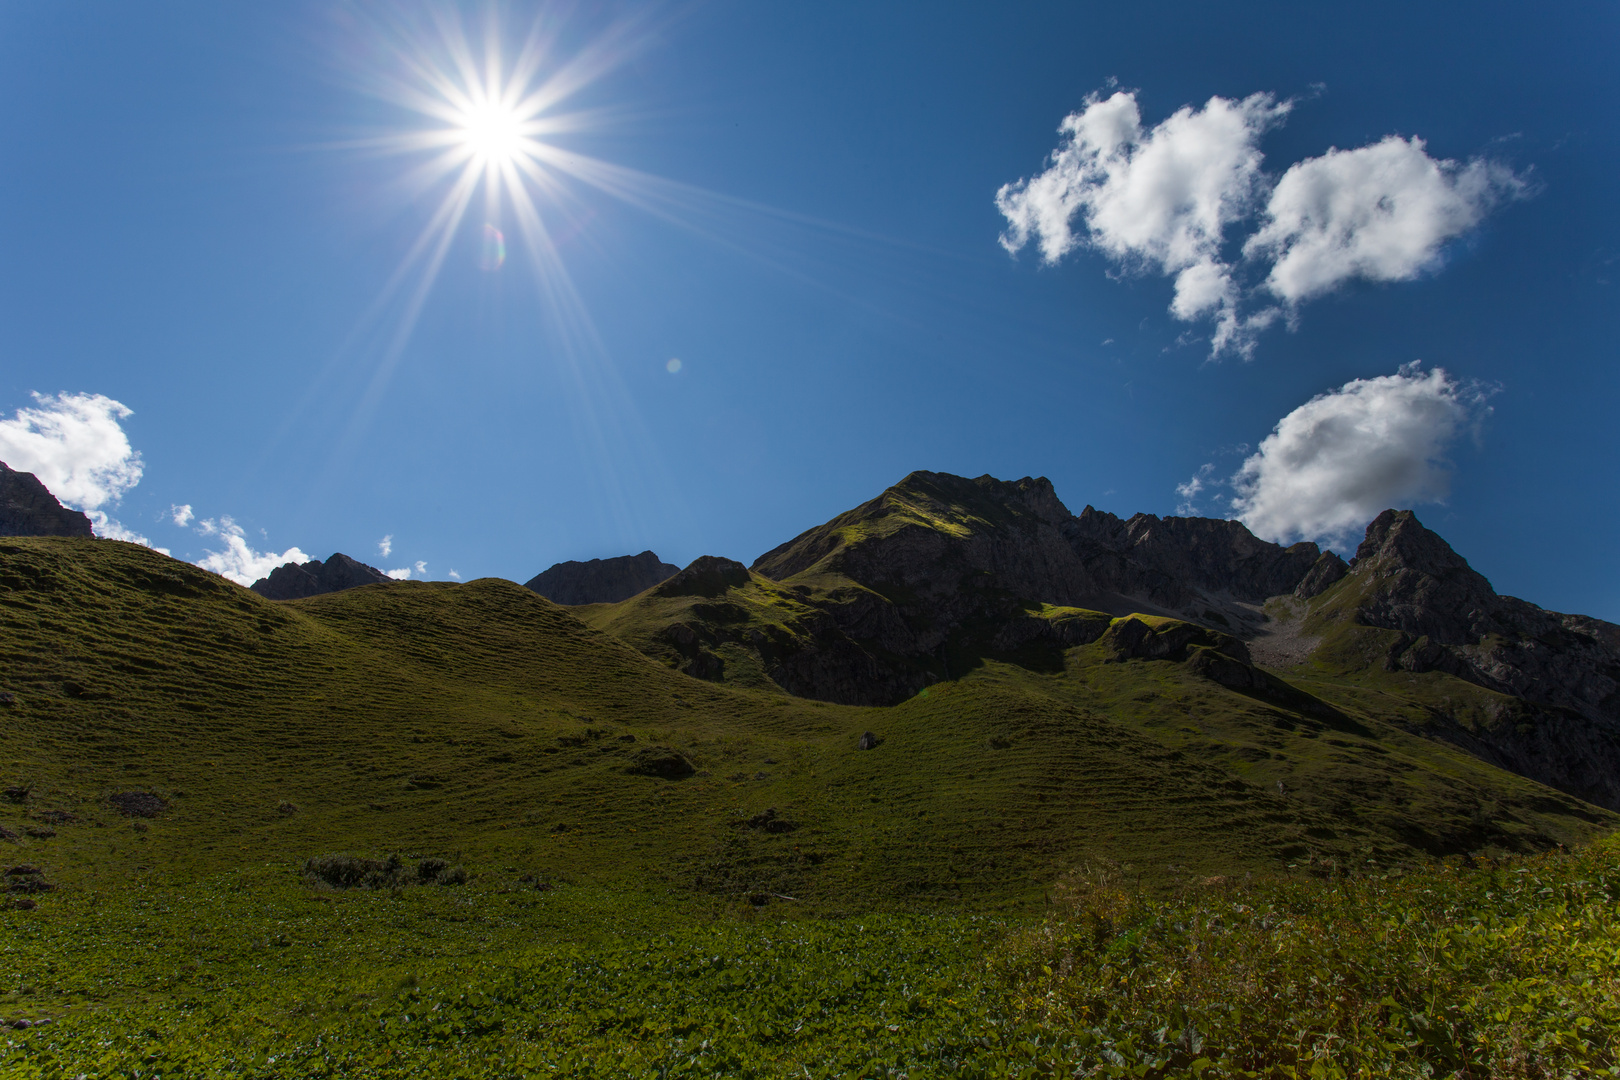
1339, 460
1381, 212
75, 444
238, 561
402, 574
385, 546
182, 515
1159, 198
1165, 198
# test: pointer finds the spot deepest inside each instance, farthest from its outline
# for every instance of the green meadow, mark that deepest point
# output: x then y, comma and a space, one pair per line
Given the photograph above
453, 830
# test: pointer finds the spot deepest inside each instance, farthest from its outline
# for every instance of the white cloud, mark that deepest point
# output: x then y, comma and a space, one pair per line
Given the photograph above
1193, 488
182, 514
111, 529
1161, 198
421, 569
1339, 460
76, 445
1164, 199
385, 546
239, 561
455, 574
1381, 212
402, 574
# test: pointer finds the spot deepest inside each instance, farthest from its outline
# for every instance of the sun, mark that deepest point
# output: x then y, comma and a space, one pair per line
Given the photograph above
493, 133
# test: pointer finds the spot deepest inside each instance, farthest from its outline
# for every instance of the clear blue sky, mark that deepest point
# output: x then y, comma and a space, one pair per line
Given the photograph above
191, 224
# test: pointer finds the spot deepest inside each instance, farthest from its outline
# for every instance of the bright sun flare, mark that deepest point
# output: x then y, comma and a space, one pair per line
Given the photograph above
492, 132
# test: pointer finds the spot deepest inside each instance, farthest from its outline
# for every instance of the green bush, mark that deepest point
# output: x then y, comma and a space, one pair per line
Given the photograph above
1483, 970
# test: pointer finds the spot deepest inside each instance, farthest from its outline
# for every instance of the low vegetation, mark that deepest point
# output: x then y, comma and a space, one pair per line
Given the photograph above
452, 830
1508, 969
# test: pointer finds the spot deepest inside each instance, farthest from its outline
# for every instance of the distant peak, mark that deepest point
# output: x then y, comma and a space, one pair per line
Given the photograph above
294, 581
600, 581
707, 575
27, 508
1397, 539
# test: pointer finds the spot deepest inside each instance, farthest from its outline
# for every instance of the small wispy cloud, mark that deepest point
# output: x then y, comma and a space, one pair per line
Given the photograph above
1194, 487
385, 546
455, 574
182, 515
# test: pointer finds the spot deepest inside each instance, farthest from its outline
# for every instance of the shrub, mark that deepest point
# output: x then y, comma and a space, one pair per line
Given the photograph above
354, 872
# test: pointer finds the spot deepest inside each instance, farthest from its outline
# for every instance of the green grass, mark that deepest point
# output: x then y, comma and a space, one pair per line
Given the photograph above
481, 725
1502, 970
1486, 970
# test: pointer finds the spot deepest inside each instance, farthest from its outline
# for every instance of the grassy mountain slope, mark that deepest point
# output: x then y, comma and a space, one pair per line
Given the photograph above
482, 724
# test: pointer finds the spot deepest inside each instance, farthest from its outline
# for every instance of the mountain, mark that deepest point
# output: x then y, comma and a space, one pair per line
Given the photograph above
295, 581
948, 695
484, 724
1531, 690
27, 508
941, 573
600, 581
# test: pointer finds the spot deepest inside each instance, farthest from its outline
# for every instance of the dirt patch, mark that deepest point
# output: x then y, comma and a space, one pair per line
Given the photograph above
661, 761
1281, 644
22, 880
137, 804
772, 822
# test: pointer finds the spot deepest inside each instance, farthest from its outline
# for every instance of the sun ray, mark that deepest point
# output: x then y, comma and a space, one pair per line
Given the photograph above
484, 120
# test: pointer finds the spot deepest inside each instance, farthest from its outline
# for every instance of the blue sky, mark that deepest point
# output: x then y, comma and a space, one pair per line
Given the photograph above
194, 224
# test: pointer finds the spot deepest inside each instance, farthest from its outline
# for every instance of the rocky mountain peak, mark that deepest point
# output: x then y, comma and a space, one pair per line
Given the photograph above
294, 581
1414, 582
1397, 540
27, 508
707, 575
600, 581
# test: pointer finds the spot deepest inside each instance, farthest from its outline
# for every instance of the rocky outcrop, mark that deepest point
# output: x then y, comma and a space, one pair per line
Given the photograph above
294, 581
1447, 617
601, 581
27, 508
1450, 619
948, 553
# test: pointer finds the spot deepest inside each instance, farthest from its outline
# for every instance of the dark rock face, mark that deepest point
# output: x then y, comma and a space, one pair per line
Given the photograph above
1566, 668
942, 562
601, 581
294, 581
1171, 560
27, 508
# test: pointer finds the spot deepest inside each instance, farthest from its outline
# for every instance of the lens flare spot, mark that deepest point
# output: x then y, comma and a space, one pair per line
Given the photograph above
673, 367
493, 253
